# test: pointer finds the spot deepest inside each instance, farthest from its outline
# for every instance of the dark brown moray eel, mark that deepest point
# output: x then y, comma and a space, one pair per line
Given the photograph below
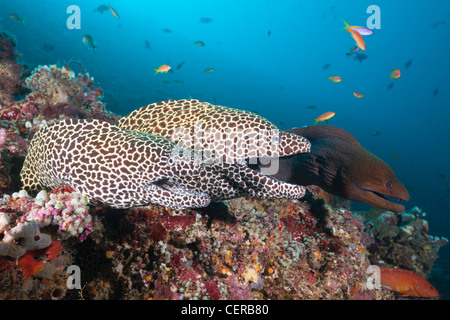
341, 166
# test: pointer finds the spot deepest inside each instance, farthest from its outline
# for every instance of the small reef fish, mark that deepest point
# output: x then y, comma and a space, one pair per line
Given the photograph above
358, 95
395, 74
269, 33
113, 11
180, 65
16, 18
335, 78
360, 57
325, 116
311, 107
407, 283
102, 8
394, 155
356, 36
376, 133
167, 30
326, 66
89, 42
435, 92
209, 70
206, 20
163, 68
199, 43
147, 44
408, 64
354, 49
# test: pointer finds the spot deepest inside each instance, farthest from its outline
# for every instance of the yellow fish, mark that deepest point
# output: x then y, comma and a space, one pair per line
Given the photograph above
335, 78
325, 116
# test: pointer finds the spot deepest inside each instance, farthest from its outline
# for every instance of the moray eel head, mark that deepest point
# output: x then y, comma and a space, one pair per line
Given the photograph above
341, 166
375, 183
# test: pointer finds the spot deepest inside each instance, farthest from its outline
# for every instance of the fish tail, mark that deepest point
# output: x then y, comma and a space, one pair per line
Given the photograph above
156, 71
347, 26
316, 122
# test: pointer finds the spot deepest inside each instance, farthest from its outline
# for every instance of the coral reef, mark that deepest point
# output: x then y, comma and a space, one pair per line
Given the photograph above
54, 93
32, 264
11, 73
313, 248
401, 240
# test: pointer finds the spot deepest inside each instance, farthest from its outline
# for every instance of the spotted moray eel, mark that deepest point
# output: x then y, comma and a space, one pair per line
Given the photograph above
111, 166
228, 140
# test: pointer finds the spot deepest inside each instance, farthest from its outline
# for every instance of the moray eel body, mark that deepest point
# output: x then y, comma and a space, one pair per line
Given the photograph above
111, 166
341, 166
225, 139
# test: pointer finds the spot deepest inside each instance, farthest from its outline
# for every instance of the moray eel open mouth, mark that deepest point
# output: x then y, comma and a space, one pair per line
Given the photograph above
386, 202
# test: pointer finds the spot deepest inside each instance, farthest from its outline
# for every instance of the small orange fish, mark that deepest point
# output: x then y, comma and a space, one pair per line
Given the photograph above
325, 116
358, 95
356, 36
209, 70
395, 74
394, 155
407, 283
164, 68
335, 78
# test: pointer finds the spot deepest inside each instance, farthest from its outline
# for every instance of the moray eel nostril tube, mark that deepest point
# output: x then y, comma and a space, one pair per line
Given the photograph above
226, 139
111, 166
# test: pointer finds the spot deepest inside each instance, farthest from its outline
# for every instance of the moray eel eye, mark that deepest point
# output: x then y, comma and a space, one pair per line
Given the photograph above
389, 185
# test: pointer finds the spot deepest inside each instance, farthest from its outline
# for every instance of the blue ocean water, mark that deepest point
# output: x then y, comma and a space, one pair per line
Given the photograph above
273, 57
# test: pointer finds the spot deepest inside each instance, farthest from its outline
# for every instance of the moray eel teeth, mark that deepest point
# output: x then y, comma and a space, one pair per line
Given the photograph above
225, 139
112, 166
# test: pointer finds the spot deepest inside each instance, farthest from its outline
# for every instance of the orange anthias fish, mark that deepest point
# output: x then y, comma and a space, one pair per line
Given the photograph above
358, 95
356, 36
407, 283
325, 116
335, 78
395, 74
164, 68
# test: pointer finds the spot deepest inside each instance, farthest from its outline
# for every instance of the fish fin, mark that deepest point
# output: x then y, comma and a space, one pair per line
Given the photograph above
347, 26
